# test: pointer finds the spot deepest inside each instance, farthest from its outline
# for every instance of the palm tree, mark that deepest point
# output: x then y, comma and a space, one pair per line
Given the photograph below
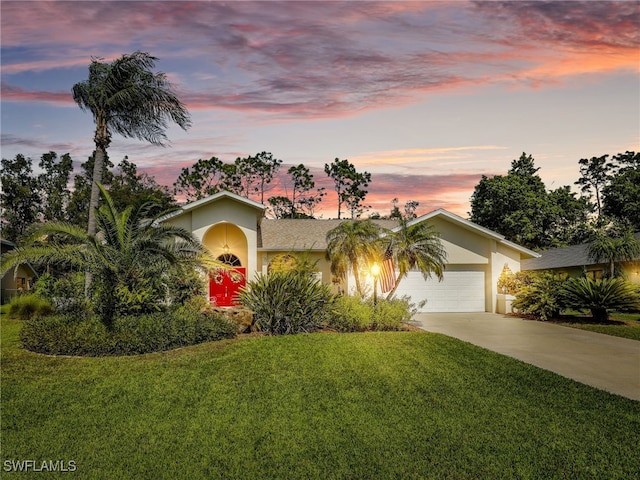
127, 98
600, 296
129, 258
416, 246
353, 245
612, 250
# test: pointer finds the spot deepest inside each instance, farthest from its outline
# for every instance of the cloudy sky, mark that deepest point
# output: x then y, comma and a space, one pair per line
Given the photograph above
427, 96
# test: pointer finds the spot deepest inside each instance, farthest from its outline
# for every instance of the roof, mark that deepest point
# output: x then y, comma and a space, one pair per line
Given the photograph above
574, 256
565, 257
301, 234
310, 234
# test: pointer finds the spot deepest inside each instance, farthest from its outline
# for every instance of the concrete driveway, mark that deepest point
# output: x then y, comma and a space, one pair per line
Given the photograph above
602, 361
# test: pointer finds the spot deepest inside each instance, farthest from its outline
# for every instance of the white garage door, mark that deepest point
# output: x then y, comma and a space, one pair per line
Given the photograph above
459, 291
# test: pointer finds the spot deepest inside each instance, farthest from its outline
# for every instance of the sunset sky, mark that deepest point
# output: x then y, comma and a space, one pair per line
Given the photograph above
427, 96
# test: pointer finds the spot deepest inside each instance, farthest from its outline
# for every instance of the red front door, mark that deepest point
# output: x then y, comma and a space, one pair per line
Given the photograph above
224, 286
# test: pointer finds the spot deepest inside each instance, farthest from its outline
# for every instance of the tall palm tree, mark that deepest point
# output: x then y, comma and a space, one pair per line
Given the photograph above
612, 250
127, 98
353, 245
416, 246
130, 254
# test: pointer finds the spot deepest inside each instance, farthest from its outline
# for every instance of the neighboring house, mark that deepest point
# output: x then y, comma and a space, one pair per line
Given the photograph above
235, 231
15, 281
575, 260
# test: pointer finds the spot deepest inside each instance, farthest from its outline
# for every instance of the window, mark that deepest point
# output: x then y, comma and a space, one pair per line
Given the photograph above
230, 259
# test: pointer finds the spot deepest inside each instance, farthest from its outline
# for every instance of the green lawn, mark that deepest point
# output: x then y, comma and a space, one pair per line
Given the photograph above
375, 405
625, 325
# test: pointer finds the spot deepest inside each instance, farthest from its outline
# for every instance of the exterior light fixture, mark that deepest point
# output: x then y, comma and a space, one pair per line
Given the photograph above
225, 247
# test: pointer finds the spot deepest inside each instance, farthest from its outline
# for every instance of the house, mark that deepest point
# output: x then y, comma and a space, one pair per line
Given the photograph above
575, 260
235, 231
17, 279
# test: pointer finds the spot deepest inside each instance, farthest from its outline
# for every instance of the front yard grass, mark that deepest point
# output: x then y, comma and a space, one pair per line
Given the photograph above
368, 405
626, 325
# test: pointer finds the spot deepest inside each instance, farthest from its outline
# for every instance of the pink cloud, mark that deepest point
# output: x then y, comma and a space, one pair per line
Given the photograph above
17, 94
286, 60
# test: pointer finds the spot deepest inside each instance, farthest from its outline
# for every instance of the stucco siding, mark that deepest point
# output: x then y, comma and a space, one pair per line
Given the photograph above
182, 221
462, 245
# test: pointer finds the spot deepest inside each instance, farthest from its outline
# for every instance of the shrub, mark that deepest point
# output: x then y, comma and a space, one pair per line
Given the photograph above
66, 293
351, 314
287, 302
185, 284
392, 314
72, 335
540, 296
28, 306
354, 314
141, 298
600, 296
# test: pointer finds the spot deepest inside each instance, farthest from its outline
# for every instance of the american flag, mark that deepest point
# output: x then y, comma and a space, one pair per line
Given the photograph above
387, 273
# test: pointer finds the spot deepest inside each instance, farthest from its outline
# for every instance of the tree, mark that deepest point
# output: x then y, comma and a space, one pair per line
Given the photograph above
201, 180
353, 246
127, 98
19, 199
614, 249
349, 185
518, 206
53, 185
256, 172
303, 203
567, 218
512, 205
621, 196
129, 188
601, 295
415, 246
409, 209
281, 207
594, 176
128, 261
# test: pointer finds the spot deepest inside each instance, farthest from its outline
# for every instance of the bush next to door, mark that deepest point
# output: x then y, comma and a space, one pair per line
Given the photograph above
286, 302
77, 335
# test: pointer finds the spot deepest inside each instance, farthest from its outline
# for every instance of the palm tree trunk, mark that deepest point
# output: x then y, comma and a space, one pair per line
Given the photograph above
356, 275
98, 166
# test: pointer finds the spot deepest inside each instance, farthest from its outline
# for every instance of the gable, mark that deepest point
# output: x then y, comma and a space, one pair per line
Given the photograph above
198, 216
462, 245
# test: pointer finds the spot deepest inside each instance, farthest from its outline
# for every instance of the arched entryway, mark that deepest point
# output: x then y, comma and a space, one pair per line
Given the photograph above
229, 245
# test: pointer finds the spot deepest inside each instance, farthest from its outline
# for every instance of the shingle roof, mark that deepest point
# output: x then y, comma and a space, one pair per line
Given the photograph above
301, 234
573, 256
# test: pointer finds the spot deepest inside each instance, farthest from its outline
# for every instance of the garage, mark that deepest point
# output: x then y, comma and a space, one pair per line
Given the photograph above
461, 290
